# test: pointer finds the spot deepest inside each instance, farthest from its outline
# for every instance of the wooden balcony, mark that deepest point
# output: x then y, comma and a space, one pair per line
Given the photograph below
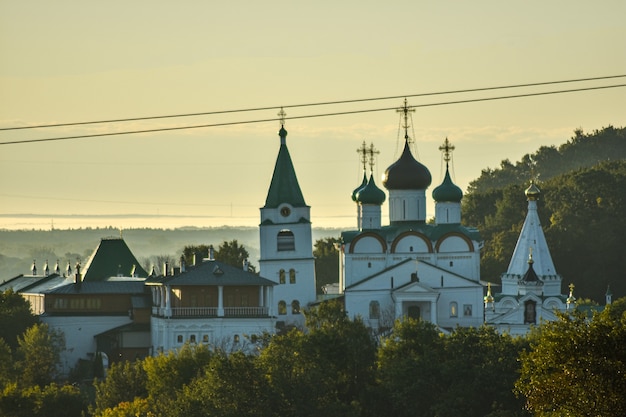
229, 312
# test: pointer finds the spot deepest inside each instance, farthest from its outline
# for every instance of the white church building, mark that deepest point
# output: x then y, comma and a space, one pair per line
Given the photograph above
411, 267
531, 287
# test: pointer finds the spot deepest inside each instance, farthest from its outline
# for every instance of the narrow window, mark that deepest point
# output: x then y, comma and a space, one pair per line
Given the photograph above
454, 309
295, 307
281, 276
467, 310
192, 338
451, 263
282, 307
179, 338
374, 310
205, 338
292, 276
236, 338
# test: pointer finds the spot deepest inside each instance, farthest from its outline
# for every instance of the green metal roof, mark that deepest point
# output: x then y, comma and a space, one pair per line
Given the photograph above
112, 258
433, 232
284, 187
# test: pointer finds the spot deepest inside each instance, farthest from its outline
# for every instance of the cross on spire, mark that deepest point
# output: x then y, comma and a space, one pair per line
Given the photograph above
371, 151
281, 117
406, 110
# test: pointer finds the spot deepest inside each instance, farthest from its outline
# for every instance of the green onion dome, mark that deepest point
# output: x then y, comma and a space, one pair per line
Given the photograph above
357, 189
447, 192
371, 194
407, 173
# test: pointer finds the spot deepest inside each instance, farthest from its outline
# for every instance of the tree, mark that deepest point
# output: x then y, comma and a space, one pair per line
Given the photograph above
233, 254
576, 366
15, 317
125, 381
479, 370
326, 370
408, 371
232, 385
326, 262
38, 355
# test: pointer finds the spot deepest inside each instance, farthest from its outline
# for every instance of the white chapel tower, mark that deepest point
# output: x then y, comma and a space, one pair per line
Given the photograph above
286, 240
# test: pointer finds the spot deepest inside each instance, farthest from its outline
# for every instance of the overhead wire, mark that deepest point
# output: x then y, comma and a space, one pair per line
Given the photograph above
309, 116
326, 103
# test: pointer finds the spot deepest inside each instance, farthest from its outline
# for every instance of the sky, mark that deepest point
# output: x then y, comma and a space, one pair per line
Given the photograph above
75, 61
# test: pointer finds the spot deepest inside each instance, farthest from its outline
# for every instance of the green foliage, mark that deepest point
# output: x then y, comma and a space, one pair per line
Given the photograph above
233, 385
577, 367
326, 262
125, 381
581, 151
409, 374
229, 252
232, 253
166, 374
38, 355
327, 370
50, 401
15, 317
470, 372
139, 407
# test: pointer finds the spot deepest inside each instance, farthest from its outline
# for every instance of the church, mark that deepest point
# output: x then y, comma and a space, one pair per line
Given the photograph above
531, 287
411, 267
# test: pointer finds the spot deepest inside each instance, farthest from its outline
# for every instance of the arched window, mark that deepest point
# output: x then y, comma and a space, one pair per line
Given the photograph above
292, 276
374, 310
286, 241
454, 309
282, 307
295, 307
281, 276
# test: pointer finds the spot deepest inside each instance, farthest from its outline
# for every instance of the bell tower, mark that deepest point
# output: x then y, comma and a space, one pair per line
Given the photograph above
285, 239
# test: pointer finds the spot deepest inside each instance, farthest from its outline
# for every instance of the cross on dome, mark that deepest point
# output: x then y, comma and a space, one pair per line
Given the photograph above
447, 149
406, 109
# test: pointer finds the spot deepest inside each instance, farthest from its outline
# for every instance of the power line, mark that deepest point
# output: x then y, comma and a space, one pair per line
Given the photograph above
342, 113
471, 90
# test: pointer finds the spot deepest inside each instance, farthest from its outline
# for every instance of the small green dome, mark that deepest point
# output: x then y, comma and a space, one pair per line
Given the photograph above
447, 191
371, 194
357, 189
532, 192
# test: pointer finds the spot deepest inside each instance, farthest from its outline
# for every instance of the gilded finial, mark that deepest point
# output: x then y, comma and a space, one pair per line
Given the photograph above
571, 300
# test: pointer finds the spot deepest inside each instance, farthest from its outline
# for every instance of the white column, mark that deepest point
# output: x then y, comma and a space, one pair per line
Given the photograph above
269, 296
168, 302
220, 301
433, 312
261, 298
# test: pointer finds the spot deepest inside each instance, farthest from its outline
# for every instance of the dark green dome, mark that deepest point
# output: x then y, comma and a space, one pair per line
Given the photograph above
371, 194
407, 173
357, 189
447, 192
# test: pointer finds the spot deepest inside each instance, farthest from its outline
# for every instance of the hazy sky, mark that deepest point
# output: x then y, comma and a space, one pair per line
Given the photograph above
71, 61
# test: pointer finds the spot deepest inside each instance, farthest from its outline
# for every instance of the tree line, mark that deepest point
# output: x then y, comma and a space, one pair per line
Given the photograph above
338, 367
